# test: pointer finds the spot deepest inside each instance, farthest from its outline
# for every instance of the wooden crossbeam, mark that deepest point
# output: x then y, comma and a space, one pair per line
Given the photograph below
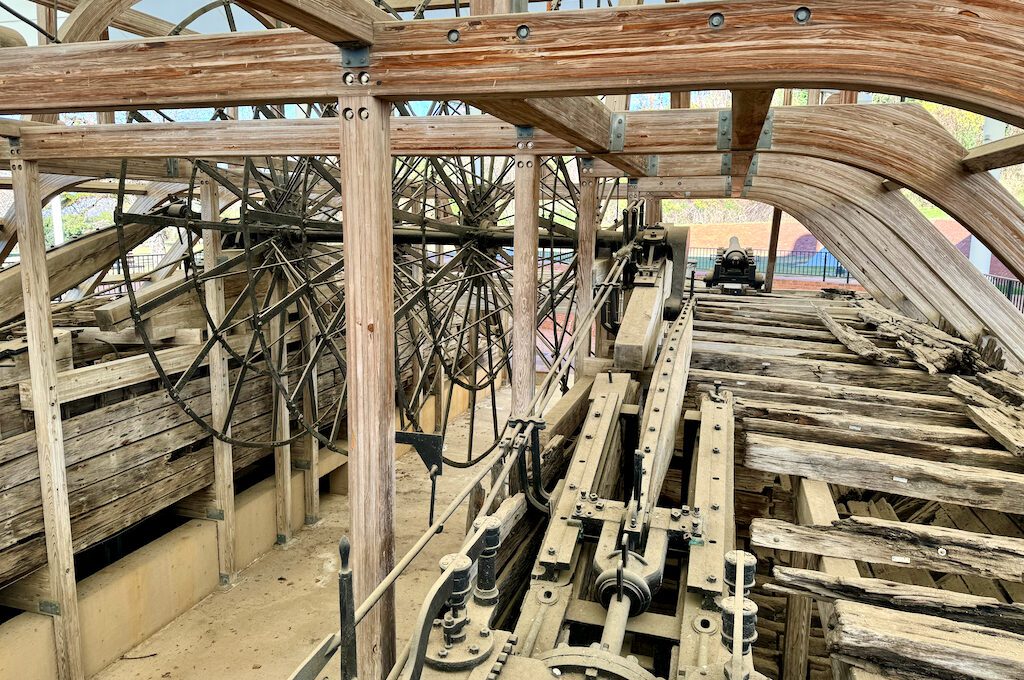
918, 546
947, 482
424, 59
345, 22
582, 121
993, 155
749, 112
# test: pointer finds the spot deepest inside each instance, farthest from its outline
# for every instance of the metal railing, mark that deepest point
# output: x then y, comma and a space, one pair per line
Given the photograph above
817, 264
1011, 288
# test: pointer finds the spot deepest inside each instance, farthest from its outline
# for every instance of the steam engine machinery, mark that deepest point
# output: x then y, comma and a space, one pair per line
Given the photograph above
735, 270
605, 547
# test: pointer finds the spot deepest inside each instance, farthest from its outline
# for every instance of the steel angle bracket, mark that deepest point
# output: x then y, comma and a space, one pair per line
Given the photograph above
355, 56
724, 130
764, 140
430, 447
617, 139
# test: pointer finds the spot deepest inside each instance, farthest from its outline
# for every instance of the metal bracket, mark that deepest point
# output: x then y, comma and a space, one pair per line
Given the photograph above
724, 130
728, 186
652, 165
617, 140
587, 166
430, 447
764, 140
214, 513
172, 167
49, 607
726, 164
751, 172
524, 132
355, 56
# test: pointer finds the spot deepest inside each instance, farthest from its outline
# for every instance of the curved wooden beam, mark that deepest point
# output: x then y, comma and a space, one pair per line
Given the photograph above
966, 53
91, 18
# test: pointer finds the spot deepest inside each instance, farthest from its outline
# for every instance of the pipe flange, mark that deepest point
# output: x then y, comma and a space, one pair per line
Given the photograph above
634, 586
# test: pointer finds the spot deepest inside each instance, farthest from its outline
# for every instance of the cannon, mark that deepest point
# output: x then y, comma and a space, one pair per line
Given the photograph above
735, 270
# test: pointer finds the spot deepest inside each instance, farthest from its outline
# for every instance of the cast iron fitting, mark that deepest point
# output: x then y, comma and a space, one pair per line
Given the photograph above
737, 560
634, 587
749, 623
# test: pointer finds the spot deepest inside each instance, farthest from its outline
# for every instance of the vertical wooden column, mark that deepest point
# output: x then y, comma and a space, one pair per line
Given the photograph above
652, 209
586, 235
773, 250
524, 283
310, 454
282, 419
679, 100
369, 305
220, 390
46, 408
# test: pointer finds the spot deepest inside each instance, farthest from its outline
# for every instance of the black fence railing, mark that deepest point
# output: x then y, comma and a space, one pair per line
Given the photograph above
817, 264
1011, 288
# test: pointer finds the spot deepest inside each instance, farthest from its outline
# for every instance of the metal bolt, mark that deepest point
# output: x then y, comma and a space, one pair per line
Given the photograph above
348, 114
442, 653
453, 36
364, 78
716, 450
712, 579
551, 551
942, 552
349, 79
715, 506
523, 32
364, 114
716, 20
676, 513
802, 15
473, 649
718, 427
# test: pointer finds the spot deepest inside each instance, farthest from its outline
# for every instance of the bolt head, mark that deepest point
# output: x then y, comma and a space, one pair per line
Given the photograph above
442, 653
712, 579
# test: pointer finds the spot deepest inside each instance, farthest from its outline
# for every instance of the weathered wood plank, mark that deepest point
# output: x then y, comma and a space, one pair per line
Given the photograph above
912, 545
912, 646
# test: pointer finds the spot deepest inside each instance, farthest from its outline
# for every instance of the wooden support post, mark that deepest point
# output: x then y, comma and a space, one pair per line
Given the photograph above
220, 391
586, 233
798, 630
282, 418
652, 209
366, 184
524, 283
679, 100
310, 454
773, 250
46, 408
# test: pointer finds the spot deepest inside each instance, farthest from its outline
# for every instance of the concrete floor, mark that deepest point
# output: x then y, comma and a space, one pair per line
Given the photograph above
286, 602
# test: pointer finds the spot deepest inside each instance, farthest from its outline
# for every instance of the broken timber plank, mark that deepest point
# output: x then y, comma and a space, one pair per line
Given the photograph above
946, 482
1002, 422
981, 611
879, 541
856, 342
913, 646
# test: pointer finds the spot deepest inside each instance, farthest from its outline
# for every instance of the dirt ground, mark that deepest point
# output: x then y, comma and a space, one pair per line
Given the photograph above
286, 602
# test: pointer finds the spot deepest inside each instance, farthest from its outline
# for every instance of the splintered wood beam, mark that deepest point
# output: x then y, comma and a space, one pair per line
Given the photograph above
582, 121
855, 342
586, 234
370, 346
917, 546
910, 646
992, 155
344, 22
946, 482
1003, 422
35, 287
980, 611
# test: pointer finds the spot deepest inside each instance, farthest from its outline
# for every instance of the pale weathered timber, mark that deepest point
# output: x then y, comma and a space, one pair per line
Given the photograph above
856, 343
1005, 423
35, 284
370, 346
995, 154
935, 350
524, 283
773, 250
278, 344
223, 468
346, 22
586, 232
798, 630
946, 482
638, 332
880, 541
912, 646
981, 611
1009, 385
